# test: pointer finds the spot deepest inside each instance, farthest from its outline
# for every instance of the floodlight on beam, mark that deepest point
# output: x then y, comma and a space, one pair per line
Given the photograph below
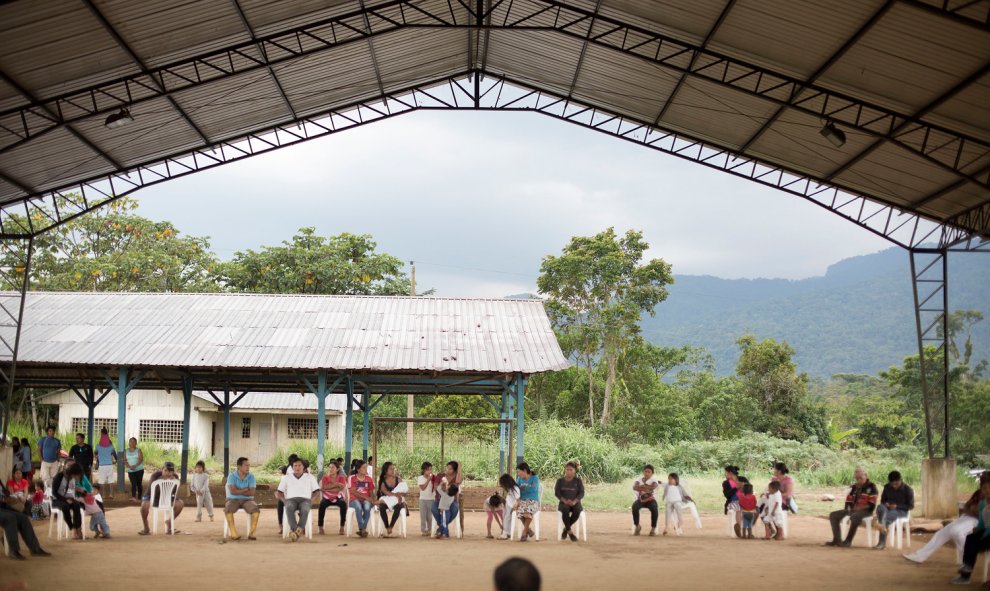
118, 119
833, 134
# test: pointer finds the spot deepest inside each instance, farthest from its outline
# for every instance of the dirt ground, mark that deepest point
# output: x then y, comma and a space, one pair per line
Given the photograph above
611, 559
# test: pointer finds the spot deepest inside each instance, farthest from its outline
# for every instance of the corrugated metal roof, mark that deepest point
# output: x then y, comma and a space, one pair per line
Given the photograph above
282, 401
923, 60
288, 332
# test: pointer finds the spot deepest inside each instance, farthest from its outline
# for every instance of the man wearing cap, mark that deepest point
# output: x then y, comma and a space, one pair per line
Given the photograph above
168, 473
240, 495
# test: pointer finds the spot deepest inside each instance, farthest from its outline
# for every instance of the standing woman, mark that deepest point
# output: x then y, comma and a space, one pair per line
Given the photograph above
134, 459
569, 491
387, 482
782, 475
27, 465
730, 490
529, 498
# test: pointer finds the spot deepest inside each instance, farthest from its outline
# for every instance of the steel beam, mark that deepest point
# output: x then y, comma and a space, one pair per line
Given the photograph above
930, 283
15, 279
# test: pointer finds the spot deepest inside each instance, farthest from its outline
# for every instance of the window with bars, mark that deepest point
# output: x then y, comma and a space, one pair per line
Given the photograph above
246, 428
300, 428
80, 424
161, 431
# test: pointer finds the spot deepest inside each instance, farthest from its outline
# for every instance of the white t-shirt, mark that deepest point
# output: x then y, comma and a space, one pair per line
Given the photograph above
298, 488
445, 500
430, 489
652, 481
511, 498
774, 499
672, 493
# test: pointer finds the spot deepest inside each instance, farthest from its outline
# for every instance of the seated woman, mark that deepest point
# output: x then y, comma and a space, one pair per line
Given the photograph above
529, 498
64, 497
569, 491
446, 507
644, 497
978, 541
957, 530
388, 499
362, 492
334, 487
17, 491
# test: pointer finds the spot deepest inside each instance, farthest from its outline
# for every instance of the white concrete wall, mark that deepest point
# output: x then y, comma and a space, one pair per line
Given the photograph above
206, 423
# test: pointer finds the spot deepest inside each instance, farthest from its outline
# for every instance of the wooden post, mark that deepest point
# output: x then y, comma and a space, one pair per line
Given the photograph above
374, 439
442, 460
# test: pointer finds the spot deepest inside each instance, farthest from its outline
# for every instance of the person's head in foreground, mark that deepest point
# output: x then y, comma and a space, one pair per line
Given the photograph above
517, 574
894, 479
860, 475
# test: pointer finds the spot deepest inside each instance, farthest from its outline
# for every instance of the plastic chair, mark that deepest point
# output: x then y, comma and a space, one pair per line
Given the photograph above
986, 567
308, 530
581, 526
900, 532
6, 548
690, 506
164, 489
57, 520
226, 527
867, 523
382, 526
352, 521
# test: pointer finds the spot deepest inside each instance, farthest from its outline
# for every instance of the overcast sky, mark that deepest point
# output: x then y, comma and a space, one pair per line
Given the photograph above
477, 199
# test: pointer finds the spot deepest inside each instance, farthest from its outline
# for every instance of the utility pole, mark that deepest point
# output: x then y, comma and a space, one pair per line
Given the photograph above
410, 409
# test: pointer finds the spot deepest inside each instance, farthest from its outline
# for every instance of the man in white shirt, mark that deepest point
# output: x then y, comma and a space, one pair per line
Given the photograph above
644, 497
297, 490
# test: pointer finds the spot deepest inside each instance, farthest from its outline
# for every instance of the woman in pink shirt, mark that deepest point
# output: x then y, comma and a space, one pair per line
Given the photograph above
781, 475
334, 490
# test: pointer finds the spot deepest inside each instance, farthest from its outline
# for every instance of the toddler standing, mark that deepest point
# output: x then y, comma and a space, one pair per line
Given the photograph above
747, 502
200, 486
773, 519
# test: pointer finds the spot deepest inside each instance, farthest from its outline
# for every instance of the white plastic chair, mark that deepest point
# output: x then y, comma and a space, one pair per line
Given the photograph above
867, 523
536, 517
226, 527
580, 527
986, 567
690, 506
6, 548
57, 520
308, 530
383, 527
164, 489
900, 532
352, 521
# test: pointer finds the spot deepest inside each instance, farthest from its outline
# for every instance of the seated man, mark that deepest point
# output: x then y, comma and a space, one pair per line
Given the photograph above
296, 490
13, 522
860, 502
897, 501
168, 473
644, 497
240, 495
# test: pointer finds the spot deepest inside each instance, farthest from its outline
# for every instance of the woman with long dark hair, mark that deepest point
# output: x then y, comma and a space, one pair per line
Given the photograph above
388, 480
64, 497
362, 491
446, 507
529, 498
730, 490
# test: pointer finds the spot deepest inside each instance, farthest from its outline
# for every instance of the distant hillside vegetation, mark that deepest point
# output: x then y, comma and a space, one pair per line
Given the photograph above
858, 318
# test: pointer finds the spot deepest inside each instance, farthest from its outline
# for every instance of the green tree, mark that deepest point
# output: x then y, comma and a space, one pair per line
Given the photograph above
345, 264
114, 249
599, 285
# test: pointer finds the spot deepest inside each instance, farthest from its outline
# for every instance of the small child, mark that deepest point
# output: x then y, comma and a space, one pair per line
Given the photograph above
772, 511
493, 510
747, 502
510, 492
38, 508
93, 506
427, 483
200, 486
675, 499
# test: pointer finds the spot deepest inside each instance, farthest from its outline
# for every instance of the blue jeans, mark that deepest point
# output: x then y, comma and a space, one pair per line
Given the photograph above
99, 520
748, 519
444, 518
888, 516
363, 511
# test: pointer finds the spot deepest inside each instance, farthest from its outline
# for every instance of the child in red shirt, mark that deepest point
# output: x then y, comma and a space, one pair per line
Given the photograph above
747, 502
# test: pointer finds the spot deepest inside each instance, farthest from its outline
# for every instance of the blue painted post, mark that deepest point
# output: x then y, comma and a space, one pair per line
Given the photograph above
121, 388
187, 387
321, 420
349, 424
226, 429
503, 413
91, 405
364, 435
520, 427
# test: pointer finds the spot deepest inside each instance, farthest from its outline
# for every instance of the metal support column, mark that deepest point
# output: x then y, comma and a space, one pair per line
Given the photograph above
520, 384
348, 424
930, 282
187, 387
321, 421
502, 414
123, 385
15, 276
366, 423
91, 411
226, 429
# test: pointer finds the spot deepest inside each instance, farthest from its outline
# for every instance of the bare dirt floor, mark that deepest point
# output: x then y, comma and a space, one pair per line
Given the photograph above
611, 559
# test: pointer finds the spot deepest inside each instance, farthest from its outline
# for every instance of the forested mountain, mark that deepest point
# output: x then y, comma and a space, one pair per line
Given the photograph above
858, 318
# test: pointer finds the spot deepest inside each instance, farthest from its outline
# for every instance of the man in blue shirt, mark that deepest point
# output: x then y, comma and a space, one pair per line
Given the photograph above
48, 448
240, 495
